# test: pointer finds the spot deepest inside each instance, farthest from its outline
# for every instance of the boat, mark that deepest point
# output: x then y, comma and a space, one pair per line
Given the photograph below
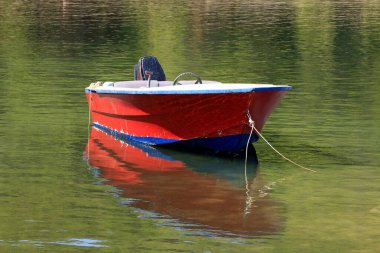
190, 191
187, 114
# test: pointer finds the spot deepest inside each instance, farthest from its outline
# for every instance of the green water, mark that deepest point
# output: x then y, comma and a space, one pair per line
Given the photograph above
53, 201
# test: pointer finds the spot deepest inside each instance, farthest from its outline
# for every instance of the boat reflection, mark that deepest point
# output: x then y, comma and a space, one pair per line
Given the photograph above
196, 192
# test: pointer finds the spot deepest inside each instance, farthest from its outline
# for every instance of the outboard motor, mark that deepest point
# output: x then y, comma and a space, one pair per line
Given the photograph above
148, 68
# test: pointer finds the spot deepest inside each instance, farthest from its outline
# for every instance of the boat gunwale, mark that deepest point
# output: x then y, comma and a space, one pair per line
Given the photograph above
190, 89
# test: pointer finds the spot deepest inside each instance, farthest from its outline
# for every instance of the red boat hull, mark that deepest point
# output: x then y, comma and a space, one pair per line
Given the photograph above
198, 119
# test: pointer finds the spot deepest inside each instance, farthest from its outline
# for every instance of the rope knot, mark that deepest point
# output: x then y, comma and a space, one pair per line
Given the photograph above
250, 121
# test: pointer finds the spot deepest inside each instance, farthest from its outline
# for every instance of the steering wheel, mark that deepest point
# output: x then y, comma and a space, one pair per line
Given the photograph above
175, 82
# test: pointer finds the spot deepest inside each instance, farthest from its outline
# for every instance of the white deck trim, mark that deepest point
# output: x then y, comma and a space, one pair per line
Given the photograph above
211, 88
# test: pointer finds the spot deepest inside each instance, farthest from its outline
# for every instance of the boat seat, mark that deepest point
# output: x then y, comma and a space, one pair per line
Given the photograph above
139, 84
155, 83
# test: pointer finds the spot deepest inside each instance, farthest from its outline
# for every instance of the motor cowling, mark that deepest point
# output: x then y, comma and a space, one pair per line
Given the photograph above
148, 67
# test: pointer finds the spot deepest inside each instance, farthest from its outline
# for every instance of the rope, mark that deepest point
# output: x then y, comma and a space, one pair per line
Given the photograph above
89, 129
246, 154
91, 86
249, 200
89, 114
252, 125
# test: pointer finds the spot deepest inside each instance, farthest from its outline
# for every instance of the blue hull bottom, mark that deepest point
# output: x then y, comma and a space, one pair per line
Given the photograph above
232, 144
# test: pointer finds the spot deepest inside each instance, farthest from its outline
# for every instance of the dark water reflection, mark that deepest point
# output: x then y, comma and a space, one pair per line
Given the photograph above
186, 192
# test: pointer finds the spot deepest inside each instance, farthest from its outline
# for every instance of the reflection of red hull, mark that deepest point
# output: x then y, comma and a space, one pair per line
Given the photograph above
202, 119
169, 187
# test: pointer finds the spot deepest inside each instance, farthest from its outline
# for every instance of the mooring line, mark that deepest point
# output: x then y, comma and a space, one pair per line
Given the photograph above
246, 153
249, 200
252, 125
89, 115
89, 129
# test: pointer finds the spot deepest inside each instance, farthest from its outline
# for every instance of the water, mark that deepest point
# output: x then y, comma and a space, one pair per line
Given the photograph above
130, 199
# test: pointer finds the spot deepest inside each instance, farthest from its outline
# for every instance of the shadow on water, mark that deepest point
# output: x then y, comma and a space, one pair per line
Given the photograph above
210, 195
